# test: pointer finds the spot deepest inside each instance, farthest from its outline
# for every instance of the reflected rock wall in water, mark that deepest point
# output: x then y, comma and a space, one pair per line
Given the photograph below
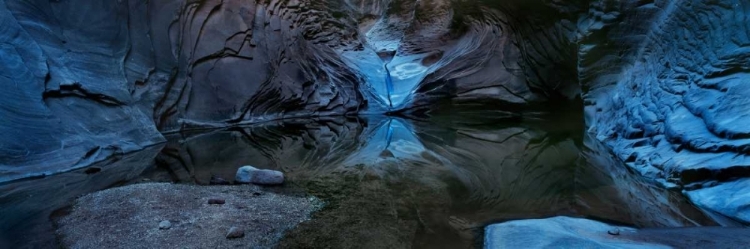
439, 182
662, 81
27, 205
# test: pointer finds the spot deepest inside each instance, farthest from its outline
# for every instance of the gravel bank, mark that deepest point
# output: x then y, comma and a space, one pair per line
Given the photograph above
129, 217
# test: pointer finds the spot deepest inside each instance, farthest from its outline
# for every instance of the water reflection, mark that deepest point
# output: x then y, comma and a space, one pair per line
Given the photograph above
397, 183
26, 206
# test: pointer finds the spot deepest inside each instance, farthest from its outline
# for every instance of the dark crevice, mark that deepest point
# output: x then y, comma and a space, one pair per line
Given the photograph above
77, 90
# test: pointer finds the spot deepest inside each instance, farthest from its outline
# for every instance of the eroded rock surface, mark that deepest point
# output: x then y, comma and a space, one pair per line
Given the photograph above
665, 88
661, 81
67, 102
84, 87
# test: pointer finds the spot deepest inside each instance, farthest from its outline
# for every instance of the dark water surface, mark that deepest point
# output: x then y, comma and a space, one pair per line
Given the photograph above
389, 182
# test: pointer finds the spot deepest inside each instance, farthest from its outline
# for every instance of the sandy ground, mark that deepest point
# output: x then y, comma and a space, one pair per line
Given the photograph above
129, 217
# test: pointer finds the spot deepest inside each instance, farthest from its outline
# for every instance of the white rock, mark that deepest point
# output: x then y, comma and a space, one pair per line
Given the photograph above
245, 174
165, 224
560, 232
250, 174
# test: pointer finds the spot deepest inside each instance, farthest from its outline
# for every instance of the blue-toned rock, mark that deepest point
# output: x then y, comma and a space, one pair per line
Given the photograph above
567, 232
250, 174
731, 199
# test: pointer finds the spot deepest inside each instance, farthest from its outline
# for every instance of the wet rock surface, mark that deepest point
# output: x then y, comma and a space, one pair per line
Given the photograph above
125, 217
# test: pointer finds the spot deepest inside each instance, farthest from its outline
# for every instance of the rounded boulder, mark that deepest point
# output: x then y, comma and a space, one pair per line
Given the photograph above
250, 174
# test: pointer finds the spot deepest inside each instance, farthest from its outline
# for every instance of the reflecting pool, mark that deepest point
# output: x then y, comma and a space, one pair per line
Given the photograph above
387, 182
397, 183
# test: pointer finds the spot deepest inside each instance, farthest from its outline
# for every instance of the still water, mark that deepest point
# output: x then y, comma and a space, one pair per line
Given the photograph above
388, 182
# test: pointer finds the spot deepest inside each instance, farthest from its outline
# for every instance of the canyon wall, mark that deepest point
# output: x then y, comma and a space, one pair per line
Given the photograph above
661, 81
68, 100
85, 81
665, 88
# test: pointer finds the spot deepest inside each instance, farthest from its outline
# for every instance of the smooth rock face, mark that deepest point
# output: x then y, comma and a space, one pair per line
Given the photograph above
81, 88
662, 81
249, 174
731, 199
559, 232
72, 93
567, 232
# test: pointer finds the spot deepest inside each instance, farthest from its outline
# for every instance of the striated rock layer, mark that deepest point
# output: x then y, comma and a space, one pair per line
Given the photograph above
67, 100
664, 85
661, 81
82, 87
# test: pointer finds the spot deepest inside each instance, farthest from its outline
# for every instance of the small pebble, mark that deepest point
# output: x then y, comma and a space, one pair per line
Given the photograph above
165, 224
216, 201
614, 231
235, 233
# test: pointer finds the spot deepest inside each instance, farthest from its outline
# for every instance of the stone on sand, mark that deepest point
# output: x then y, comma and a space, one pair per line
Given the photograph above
250, 174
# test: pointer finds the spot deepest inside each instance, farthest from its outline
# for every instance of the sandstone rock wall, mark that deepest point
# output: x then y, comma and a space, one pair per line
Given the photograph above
67, 101
661, 81
87, 80
665, 87
673, 103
